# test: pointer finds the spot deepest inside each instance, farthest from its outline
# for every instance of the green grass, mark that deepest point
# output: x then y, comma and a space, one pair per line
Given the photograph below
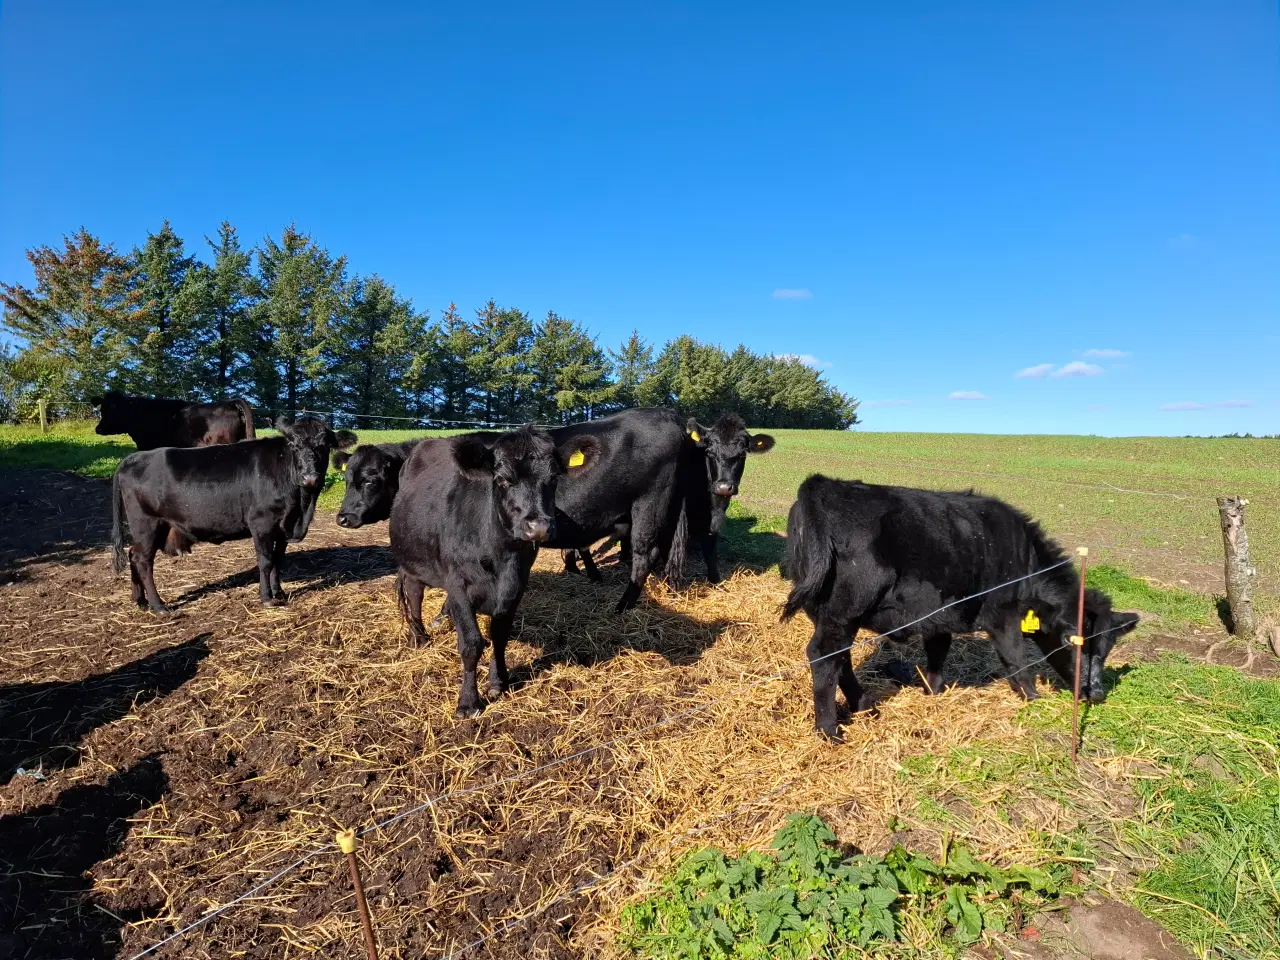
1203, 841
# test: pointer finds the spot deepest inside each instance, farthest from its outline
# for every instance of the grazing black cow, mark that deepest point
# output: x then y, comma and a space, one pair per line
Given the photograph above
468, 520
864, 555
176, 496
157, 422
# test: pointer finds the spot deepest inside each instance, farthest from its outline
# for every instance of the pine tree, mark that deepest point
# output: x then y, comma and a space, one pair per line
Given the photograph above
499, 365
301, 288
221, 295
162, 336
372, 346
632, 366
73, 323
570, 373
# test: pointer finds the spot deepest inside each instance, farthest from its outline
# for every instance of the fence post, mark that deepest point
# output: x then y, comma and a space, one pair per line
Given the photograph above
42, 405
1239, 574
1078, 642
347, 844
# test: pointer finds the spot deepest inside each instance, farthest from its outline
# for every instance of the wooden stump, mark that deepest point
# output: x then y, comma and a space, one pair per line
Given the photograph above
1239, 574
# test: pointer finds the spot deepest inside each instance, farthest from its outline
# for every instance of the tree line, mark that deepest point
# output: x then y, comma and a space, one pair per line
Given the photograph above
287, 325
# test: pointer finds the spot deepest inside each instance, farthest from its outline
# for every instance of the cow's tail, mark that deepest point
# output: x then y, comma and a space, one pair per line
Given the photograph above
811, 558
246, 414
679, 545
119, 559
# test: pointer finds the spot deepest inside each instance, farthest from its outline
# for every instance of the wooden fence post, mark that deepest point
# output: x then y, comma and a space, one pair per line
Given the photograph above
1239, 574
42, 405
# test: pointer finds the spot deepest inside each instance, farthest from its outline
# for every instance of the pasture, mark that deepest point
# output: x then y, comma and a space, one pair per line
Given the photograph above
179, 762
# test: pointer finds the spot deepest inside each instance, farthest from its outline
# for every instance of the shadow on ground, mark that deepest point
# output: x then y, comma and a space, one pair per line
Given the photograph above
42, 724
50, 516
322, 567
49, 911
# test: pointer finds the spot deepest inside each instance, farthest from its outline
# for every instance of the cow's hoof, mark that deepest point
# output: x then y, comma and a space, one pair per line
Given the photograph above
164, 610
496, 690
467, 713
831, 733
275, 602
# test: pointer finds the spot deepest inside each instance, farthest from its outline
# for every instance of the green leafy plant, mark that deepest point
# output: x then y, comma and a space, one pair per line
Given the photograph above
809, 898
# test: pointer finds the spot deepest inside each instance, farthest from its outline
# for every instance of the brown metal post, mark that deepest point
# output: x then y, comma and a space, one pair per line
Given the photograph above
1078, 642
347, 844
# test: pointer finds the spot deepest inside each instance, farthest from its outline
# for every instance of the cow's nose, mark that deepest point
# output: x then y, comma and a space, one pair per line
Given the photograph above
310, 480
537, 530
343, 520
723, 489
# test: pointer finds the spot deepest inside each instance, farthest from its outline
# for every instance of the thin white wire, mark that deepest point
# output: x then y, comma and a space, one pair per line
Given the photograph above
586, 751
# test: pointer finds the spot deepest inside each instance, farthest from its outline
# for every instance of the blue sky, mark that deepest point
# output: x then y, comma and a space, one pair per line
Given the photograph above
925, 201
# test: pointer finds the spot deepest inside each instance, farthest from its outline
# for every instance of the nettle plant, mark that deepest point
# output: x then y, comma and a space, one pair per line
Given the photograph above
808, 899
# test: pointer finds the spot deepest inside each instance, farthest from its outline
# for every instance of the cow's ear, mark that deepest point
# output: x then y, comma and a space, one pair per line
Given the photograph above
759, 443
344, 439
696, 431
579, 454
1125, 621
474, 457
95, 401
283, 423
340, 458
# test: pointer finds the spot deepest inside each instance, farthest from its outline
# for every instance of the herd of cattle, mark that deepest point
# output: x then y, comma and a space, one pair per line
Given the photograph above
468, 514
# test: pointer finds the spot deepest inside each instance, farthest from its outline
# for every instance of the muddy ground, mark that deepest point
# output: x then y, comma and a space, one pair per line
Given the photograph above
170, 764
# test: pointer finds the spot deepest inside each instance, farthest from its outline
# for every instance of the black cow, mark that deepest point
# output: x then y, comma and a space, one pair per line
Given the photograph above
634, 491
468, 520
373, 480
158, 422
716, 475
265, 489
879, 557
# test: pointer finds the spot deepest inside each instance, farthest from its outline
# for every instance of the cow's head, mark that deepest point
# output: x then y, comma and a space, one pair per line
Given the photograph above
726, 446
310, 442
113, 415
373, 480
523, 467
1102, 628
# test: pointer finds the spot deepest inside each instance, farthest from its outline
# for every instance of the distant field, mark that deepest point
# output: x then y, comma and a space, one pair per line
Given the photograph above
1080, 488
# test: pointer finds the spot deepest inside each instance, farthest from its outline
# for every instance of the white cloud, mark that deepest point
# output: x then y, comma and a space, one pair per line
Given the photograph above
1077, 368
808, 359
1215, 405
792, 293
967, 395
1034, 373
890, 403
1106, 354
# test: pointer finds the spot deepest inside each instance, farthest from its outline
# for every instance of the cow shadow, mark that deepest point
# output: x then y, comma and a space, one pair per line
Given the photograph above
42, 724
572, 622
50, 910
320, 567
50, 516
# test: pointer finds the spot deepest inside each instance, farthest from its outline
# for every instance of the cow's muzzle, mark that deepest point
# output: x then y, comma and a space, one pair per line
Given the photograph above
722, 488
310, 480
538, 530
348, 520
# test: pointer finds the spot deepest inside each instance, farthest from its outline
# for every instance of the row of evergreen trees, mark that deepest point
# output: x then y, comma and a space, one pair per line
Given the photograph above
287, 325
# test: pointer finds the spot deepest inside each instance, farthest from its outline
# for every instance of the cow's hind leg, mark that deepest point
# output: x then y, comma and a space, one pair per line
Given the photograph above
647, 517
470, 644
147, 535
936, 648
826, 655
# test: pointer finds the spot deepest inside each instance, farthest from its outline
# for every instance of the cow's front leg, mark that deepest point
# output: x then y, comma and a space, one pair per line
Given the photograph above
710, 546
499, 633
470, 644
264, 546
277, 566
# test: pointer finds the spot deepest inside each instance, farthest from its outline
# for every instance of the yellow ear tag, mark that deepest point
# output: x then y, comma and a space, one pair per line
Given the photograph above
694, 435
1030, 623
577, 458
